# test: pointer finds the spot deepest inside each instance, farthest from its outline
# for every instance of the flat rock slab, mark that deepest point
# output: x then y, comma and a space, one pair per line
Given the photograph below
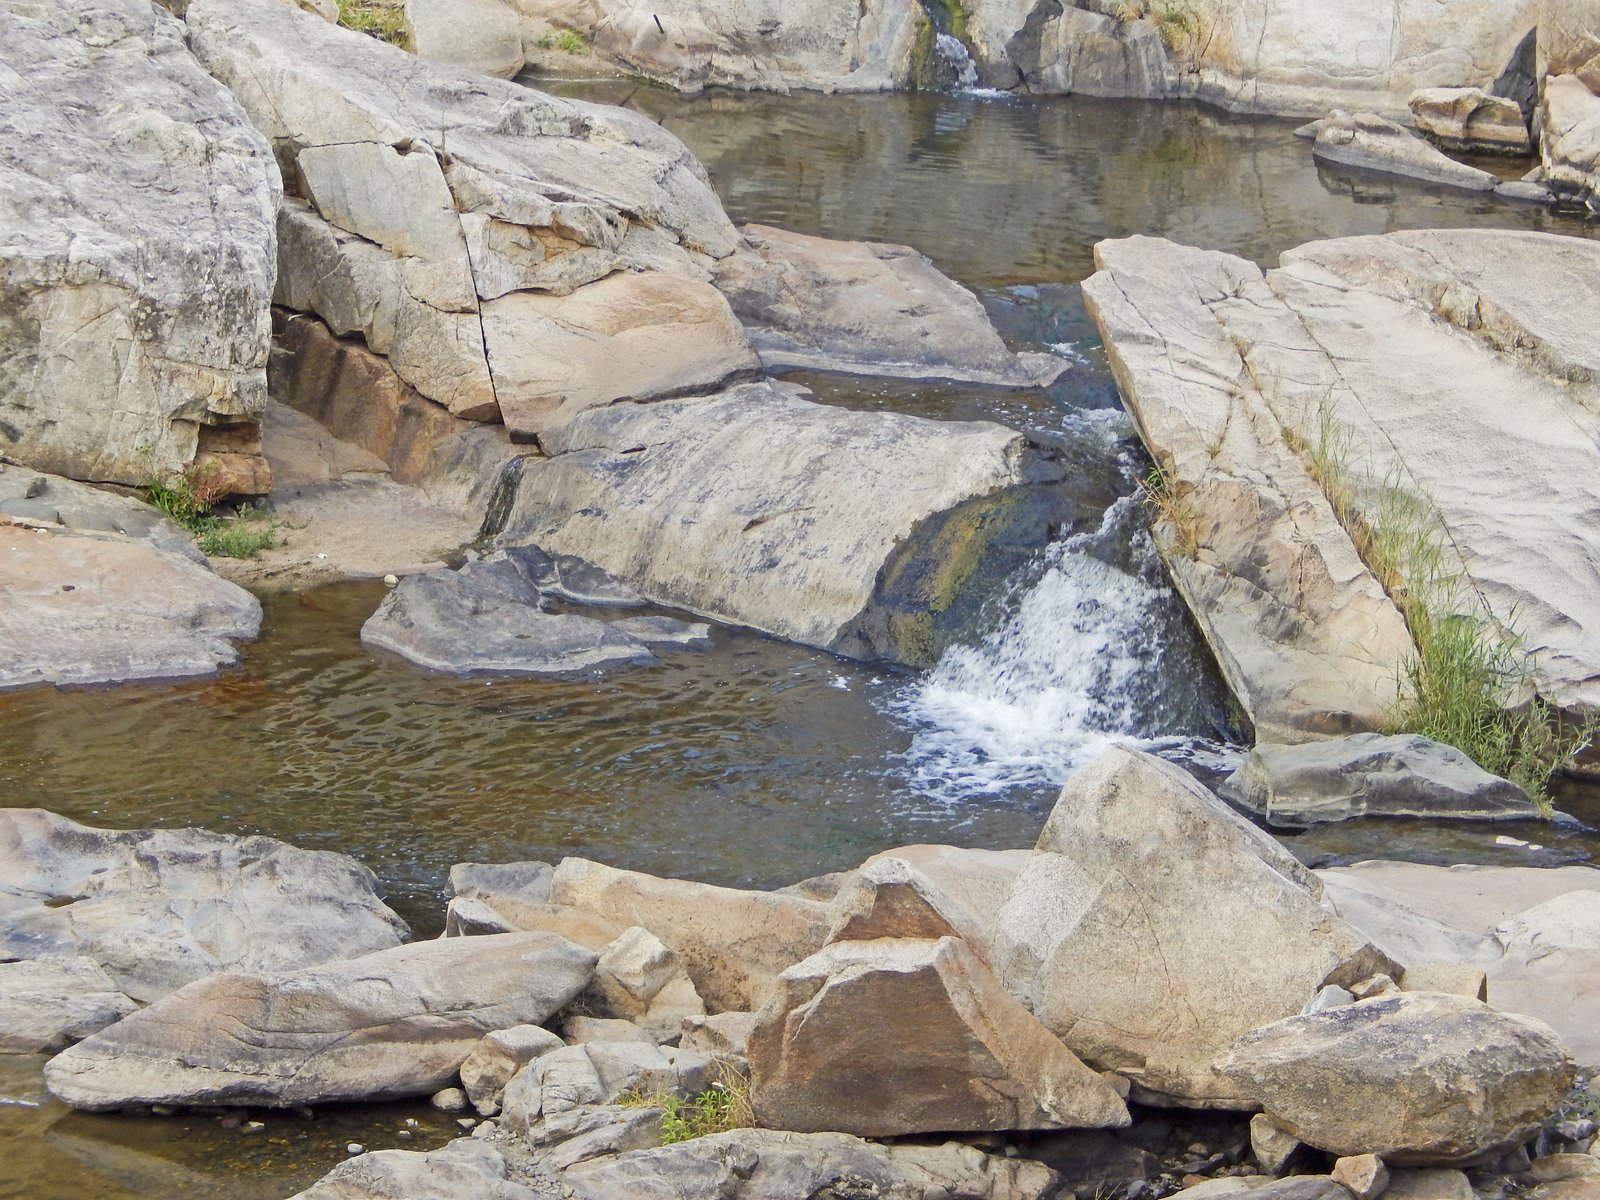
465, 1169
1372, 775
868, 308
758, 506
1372, 143
1421, 1079
157, 909
905, 1035
84, 609
396, 1023
1153, 926
761, 1164
131, 183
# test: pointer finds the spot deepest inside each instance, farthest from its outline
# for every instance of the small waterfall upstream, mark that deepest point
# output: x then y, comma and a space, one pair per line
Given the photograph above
1097, 651
956, 61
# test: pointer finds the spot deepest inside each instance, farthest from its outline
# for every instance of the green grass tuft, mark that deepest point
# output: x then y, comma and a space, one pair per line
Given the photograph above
387, 24
188, 499
723, 1106
1171, 504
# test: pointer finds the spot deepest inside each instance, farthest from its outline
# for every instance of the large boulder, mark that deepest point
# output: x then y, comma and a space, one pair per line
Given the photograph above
910, 1035
1361, 343
1470, 119
136, 268
760, 507
48, 1003
732, 943
866, 307
1569, 41
1369, 142
926, 892
1153, 926
465, 1169
1372, 774
1419, 1079
762, 1164
435, 199
1569, 142
90, 606
476, 35
396, 1023
158, 909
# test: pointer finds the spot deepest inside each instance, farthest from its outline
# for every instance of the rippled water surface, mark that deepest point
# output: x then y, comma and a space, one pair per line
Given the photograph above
754, 762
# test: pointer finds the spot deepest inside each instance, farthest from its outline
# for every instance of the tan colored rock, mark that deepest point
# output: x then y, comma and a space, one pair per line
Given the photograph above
904, 1035
866, 307
732, 943
471, 916
48, 1003
627, 337
927, 892
1470, 119
1569, 41
396, 1023
1429, 1183
1369, 142
1454, 978
1569, 142
1364, 1176
723, 1035
639, 979
499, 1056
1142, 883
1418, 1079
1272, 1145
1558, 1168
477, 35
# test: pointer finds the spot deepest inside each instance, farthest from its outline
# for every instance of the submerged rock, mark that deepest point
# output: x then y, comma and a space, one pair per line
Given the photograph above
758, 507
1371, 143
1153, 926
158, 909
1419, 1079
869, 308
131, 186
1372, 775
761, 1164
910, 1035
1470, 119
392, 1024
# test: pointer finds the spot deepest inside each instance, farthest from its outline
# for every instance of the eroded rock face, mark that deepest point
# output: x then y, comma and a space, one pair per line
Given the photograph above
927, 892
138, 204
396, 1023
1470, 119
759, 507
1142, 885
476, 35
866, 307
158, 909
1570, 141
732, 943
1372, 774
1419, 1079
1369, 142
760, 1164
1379, 336
912, 1035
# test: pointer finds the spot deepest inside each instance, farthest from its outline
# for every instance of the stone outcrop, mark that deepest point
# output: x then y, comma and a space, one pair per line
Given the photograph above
761, 1164
689, 502
868, 308
495, 1061
1369, 142
48, 1003
1142, 884
567, 1085
926, 892
911, 1035
99, 588
465, 1169
157, 909
1372, 338
1372, 775
138, 204
732, 943
1419, 1079
1569, 41
396, 1023
1470, 119
1569, 142
639, 979
433, 201
475, 35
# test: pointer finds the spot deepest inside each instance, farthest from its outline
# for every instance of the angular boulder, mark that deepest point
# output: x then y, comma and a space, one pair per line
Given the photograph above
1470, 119
689, 502
46, 1004
926, 892
1372, 775
465, 1169
1153, 926
639, 979
157, 909
762, 1164
1569, 141
495, 1061
135, 308
568, 1083
733, 943
396, 1023
910, 1035
869, 308
1369, 142
1419, 1079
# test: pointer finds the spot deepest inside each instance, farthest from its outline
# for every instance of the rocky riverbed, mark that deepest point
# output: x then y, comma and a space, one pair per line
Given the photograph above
744, 486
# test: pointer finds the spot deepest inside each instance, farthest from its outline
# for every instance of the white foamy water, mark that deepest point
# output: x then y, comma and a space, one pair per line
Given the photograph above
955, 54
1082, 663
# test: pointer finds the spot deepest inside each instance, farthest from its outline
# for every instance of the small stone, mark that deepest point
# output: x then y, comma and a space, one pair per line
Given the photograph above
411, 1122
1428, 1183
450, 1099
1332, 996
164, 1110
391, 580
231, 1120
486, 1129
1576, 1131
1272, 1145
253, 1126
404, 1134
1363, 1174
1456, 978
467, 1122
1555, 1168
1376, 985
355, 1148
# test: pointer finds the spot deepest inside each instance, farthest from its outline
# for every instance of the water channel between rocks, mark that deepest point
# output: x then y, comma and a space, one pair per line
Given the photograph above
754, 762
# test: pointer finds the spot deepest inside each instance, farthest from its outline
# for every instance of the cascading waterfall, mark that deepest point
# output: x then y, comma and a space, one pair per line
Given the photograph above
1095, 653
957, 60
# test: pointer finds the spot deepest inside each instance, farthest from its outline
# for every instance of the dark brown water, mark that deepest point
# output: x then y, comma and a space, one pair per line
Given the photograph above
753, 762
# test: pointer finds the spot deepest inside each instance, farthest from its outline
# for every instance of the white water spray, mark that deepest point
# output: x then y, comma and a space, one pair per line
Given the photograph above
954, 54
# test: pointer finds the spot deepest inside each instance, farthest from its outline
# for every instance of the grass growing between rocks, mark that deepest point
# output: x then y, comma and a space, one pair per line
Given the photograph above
723, 1106
1178, 24
188, 500
387, 24
567, 41
1171, 504
1470, 683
